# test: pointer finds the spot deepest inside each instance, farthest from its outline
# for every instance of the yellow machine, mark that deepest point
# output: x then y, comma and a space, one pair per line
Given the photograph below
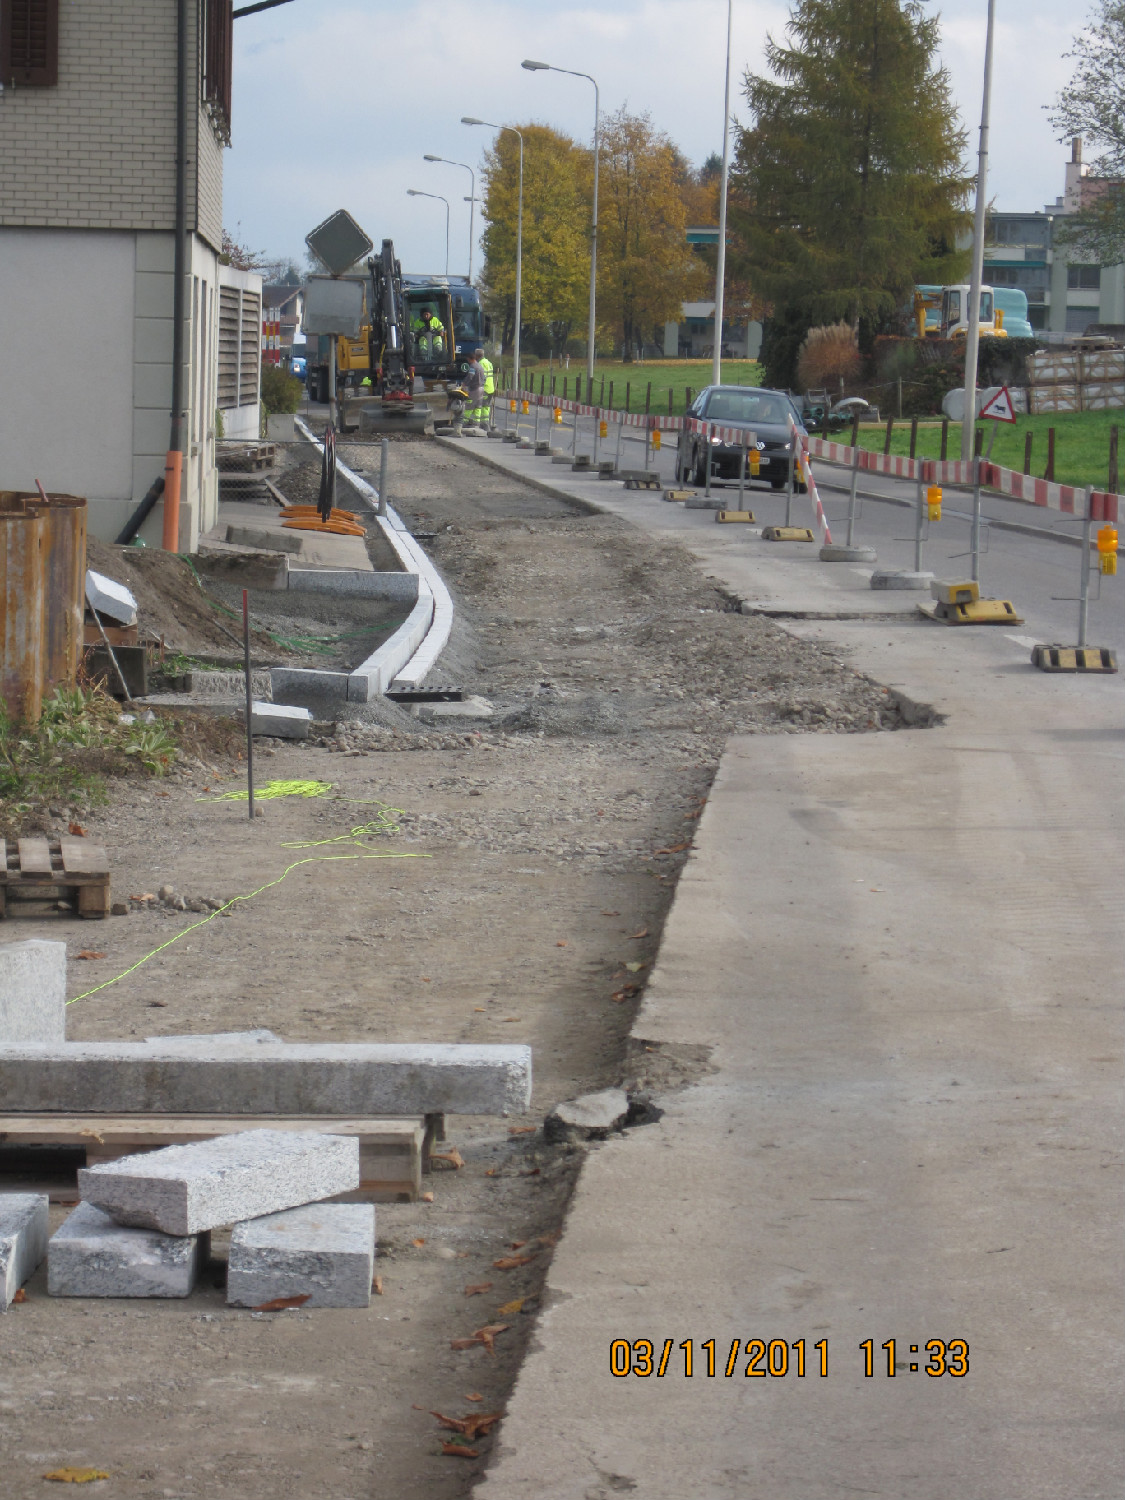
943, 312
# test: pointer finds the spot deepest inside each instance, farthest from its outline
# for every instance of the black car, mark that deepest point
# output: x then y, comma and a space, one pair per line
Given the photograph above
764, 413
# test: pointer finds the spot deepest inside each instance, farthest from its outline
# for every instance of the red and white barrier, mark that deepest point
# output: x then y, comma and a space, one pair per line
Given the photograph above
804, 469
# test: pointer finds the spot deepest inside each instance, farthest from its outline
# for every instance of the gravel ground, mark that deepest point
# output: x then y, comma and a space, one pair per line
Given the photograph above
545, 844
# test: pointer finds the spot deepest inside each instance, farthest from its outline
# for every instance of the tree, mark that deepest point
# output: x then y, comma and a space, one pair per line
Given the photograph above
645, 265
1093, 106
847, 187
238, 255
556, 243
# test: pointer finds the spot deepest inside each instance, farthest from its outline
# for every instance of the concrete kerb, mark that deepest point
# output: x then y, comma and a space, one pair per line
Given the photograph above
410, 653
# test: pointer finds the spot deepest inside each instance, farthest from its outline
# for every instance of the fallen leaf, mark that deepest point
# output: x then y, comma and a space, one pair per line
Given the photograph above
90, 953
377, 1285
492, 1172
21, 1296
643, 933
533, 1173
77, 830
561, 944
611, 913
76, 1476
464, 1343
477, 1288
522, 1129
548, 1239
489, 1334
635, 967
624, 994
510, 1309
417, 1244
696, 814
510, 1262
454, 1158
517, 1244
512, 1018
476, 1424
279, 1304
459, 1450
480, 1009
672, 849
474, 1396
427, 1197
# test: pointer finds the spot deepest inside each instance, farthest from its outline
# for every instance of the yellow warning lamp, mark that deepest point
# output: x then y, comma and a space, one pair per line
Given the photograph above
655, 438
933, 502
525, 407
511, 405
755, 461
558, 414
603, 429
1107, 550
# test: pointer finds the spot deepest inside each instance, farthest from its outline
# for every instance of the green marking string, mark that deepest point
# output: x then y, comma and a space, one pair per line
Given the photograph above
312, 859
275, 789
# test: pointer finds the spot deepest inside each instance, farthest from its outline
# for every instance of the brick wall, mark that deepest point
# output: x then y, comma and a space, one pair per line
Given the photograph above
97, 151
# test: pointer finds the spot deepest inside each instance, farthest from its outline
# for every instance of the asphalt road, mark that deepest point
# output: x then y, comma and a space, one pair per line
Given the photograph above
1029, 555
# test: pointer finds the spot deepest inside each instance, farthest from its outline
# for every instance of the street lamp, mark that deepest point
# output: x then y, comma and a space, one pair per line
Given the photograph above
541, 67
415, 193
472, 120
721, 264
972, 341
471, 201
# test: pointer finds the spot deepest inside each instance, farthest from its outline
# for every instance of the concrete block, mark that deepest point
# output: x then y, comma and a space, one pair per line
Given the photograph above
833, 552
473, 707
903, 579
351, 582
283, 721
300, 684
92, 1256
280, 427
111, 599
268, 1078
32, 992
186, 1189
324, 1251
23, 1240
262, 537
590, 1117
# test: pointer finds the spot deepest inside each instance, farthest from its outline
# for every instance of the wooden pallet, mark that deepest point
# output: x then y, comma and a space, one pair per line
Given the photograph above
48, 869
246, 457
390, 1151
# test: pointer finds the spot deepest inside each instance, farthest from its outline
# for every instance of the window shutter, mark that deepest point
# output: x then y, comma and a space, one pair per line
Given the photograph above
218, 50
29, 43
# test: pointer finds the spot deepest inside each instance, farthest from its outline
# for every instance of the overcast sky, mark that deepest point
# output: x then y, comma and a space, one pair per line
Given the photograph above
336, 101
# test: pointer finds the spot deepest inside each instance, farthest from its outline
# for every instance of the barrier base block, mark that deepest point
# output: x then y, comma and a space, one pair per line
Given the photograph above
833, 552
727, 516
955, 593
679, 494
787, 534
978, 612
1074, 659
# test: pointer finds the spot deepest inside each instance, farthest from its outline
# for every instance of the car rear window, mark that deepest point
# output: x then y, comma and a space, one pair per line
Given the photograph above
747, 406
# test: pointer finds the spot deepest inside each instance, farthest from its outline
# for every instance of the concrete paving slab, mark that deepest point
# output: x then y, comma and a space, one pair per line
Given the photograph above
325, 1252
32, 992
262, 1078
92, 1256
23, 1240
188, 1189
281, 720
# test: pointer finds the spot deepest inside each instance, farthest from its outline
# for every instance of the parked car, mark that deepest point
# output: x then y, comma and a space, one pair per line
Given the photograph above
764, 413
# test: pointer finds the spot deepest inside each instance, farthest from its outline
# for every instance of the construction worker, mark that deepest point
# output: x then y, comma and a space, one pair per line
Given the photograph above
429, 337
489, 385
474, 386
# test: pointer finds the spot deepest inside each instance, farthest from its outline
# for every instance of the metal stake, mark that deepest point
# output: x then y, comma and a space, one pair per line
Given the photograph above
742, 476
789, 480
710, 440
574, 437
620, 430
918, 527
384, 446
537, 426
1084, 600
851, 497
597, 435
249, 704
974, 535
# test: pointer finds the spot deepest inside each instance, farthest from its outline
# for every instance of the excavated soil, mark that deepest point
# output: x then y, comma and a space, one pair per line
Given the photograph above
543, 847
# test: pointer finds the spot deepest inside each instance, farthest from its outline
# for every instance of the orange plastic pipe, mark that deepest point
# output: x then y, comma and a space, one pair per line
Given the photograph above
173, 468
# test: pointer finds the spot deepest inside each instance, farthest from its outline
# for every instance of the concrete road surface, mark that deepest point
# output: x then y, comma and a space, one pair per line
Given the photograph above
894, 965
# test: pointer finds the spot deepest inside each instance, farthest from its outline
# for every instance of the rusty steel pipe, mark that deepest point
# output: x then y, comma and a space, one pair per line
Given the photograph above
65, 590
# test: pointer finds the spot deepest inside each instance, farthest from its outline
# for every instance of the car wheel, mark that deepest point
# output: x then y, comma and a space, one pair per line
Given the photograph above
777, 484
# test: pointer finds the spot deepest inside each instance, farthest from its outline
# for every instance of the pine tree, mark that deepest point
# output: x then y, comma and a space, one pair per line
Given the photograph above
847, 186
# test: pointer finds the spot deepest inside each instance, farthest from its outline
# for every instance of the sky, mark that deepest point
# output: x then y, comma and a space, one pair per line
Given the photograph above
336, 102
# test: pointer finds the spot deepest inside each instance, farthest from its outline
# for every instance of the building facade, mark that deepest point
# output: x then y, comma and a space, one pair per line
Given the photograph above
1065, 294
87, 218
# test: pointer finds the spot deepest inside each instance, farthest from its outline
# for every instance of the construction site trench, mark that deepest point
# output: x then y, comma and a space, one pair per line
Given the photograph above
535, 856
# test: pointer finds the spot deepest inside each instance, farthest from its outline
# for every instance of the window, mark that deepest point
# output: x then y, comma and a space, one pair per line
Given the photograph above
29, 43
1084, 278
218, 42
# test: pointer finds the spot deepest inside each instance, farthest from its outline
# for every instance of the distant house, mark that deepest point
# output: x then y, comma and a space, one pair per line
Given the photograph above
1064, 294
693, 337
284, 305
87, 216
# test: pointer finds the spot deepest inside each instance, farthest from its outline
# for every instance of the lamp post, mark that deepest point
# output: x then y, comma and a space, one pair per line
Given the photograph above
721, 264
540, 67
972, 341
471, 201
472, 120
416, 193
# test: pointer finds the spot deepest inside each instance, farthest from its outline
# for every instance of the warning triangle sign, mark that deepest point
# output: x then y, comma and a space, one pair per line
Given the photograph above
998, 408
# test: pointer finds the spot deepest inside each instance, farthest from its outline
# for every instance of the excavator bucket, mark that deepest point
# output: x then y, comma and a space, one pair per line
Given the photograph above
386, 418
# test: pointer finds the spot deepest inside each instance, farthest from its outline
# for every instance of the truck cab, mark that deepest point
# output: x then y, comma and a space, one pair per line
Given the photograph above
955, 313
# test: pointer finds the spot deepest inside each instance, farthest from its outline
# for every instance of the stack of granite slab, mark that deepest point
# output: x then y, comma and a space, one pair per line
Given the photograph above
144, 1223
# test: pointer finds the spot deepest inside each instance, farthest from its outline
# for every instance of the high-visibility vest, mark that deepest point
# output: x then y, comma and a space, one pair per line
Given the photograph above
489, 378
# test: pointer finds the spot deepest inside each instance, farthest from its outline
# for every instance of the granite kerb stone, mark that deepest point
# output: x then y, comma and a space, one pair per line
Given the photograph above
91, 1255
324, 1252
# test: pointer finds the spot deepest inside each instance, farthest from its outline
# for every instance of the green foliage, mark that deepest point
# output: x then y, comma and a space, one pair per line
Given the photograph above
847, 186
78, 740
1093, 106
281, 392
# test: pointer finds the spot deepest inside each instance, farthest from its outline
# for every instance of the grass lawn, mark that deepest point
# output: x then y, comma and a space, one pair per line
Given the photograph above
664, 375
1081, 443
